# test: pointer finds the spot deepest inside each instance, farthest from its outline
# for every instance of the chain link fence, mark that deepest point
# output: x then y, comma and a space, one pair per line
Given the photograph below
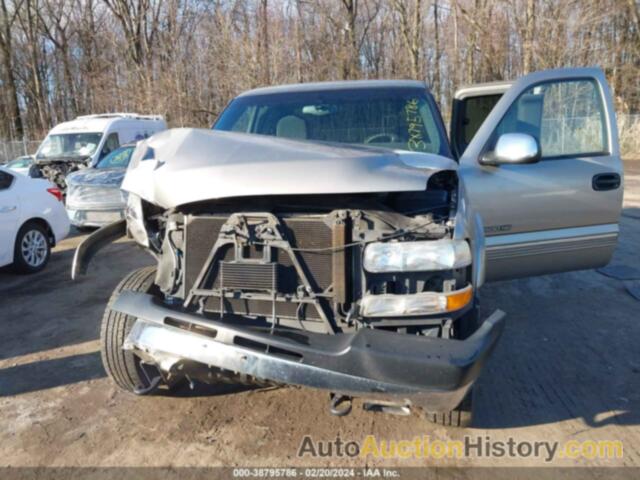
629, 133
14, 149
628, 129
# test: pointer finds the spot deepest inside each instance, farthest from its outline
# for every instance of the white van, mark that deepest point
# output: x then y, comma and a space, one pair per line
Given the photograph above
82, 142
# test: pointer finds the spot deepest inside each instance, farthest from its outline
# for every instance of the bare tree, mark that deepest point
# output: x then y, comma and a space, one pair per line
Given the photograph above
139, 22
7, 20
186, 59
436, 48
529, 32
350, 64
263, 45
56, 24
37, 94
411, 28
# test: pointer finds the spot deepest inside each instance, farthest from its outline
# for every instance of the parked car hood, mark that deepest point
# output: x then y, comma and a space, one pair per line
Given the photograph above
105, 177
182, 166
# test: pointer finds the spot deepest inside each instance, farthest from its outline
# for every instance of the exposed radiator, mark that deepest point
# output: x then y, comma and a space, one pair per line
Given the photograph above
279, 275
256, 276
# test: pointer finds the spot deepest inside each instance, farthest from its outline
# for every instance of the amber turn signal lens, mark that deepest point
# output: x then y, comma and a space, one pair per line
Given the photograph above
459, 299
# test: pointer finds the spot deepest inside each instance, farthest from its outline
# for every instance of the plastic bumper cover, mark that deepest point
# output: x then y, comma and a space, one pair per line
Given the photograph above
378, 365
95, 217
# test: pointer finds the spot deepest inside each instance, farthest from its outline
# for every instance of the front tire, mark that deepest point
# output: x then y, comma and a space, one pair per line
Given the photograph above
125, 368
32, 249
468, 323
459, 417
462, 415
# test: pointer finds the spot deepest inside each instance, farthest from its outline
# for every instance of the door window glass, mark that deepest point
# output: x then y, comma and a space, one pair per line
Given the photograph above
566, 117
476, 109
110, 144
119, 158
467, 116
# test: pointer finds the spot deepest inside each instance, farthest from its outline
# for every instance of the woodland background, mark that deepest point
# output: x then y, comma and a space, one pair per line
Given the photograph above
185, 59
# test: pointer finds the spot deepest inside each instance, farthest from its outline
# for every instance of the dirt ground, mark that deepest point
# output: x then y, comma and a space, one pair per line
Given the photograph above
567, 368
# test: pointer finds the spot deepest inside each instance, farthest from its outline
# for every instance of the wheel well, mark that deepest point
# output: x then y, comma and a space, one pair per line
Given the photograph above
44, 224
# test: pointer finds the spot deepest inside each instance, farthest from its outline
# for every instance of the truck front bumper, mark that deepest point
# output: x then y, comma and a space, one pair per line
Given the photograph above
376, 365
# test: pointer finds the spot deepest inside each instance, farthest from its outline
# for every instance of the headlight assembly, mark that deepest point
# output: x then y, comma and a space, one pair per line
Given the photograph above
135, 220
416, 256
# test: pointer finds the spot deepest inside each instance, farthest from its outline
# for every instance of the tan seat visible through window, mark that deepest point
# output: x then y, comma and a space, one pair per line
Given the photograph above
291, 127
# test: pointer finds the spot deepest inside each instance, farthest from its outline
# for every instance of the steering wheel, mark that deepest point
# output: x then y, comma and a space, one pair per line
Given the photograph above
376, 138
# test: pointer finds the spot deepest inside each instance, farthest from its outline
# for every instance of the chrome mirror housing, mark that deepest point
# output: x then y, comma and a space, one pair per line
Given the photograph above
513, 148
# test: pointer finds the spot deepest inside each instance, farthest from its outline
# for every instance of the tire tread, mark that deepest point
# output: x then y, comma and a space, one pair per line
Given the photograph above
459, 417
120, 365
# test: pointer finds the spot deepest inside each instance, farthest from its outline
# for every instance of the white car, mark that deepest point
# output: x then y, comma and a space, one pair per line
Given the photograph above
32, 220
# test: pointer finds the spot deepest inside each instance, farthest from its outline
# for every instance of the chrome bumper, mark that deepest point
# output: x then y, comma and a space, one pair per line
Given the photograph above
377, 365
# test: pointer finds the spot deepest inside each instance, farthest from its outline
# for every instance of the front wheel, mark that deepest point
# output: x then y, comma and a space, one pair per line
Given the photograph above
462, 415
125, 368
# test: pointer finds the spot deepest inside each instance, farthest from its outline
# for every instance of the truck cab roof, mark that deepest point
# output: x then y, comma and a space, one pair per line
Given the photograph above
338, 85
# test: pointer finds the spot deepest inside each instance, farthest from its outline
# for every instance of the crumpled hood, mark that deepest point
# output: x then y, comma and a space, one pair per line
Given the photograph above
182, 166
111, 177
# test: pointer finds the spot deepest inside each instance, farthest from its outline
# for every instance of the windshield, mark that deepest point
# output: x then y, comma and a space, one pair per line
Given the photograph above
119, 158
69, 145
400, 118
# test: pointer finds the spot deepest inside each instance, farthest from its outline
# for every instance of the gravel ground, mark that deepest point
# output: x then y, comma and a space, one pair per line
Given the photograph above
567, 368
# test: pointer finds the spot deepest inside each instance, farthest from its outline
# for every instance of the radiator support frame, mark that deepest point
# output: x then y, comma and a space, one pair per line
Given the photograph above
268, 232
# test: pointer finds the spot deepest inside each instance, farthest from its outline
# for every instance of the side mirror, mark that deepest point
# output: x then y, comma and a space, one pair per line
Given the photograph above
513, 148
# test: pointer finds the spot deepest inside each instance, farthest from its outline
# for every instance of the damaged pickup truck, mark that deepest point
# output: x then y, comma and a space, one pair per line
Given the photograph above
329, 235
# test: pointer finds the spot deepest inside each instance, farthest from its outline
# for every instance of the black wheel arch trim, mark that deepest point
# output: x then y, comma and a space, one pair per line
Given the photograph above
95, 242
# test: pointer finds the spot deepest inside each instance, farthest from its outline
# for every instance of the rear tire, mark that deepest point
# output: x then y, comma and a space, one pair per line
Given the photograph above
32, 249
125, 368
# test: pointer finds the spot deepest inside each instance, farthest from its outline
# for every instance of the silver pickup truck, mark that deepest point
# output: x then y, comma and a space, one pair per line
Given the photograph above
330, 235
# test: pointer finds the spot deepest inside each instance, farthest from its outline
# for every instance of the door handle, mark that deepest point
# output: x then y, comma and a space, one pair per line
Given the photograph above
7, 209
605, 181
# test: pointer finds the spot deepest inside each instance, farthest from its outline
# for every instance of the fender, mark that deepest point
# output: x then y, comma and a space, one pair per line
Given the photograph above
95, 242
469, 226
